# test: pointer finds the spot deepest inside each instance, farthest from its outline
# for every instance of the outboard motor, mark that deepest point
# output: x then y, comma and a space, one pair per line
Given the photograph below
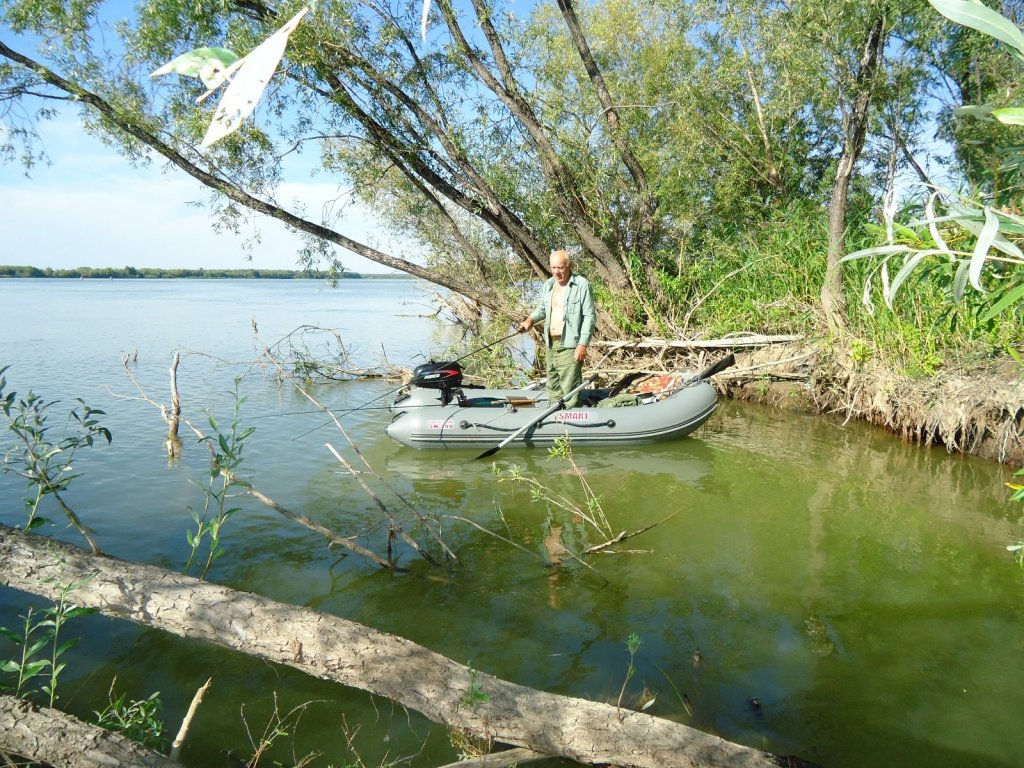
446, 377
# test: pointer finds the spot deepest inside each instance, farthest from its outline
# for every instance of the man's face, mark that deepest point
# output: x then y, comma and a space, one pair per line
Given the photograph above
560, 268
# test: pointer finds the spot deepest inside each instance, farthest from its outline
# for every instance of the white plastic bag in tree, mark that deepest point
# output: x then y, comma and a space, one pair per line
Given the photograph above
252, 73
208, 64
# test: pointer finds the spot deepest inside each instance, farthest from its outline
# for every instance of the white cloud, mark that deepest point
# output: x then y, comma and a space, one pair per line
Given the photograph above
92, 209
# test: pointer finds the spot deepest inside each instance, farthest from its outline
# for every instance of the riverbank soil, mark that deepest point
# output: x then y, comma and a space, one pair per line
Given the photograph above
979, 412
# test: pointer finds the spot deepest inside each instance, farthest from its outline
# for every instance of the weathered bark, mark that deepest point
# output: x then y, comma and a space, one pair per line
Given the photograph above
173, 415
52, 737
508, 757
343, 651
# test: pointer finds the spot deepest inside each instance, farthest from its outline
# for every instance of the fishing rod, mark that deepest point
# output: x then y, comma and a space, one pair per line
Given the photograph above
393, 391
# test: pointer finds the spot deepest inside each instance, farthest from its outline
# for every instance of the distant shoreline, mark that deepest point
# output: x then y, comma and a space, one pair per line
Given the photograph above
143, 273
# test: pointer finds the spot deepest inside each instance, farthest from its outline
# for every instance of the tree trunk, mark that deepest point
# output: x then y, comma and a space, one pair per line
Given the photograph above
50, 737
349, 653
833, 298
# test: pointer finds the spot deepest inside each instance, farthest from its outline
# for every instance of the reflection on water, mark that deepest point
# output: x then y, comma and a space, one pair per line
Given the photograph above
850, 598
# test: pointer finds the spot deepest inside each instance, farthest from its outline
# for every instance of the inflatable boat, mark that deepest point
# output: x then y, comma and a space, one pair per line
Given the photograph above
438, 410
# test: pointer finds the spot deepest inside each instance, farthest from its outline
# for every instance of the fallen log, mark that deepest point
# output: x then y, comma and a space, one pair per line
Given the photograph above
51, 737
343, 651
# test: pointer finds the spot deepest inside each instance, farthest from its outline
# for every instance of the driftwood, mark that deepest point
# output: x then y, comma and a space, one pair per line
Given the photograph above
355, 655
50, 737
744, 341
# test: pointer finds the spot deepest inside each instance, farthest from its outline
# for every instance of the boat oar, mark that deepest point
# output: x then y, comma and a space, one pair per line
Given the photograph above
557, 406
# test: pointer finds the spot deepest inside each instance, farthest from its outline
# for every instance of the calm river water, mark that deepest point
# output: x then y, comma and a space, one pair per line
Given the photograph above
858, 589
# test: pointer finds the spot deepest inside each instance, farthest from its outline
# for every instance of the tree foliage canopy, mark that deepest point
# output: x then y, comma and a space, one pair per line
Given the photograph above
667, 141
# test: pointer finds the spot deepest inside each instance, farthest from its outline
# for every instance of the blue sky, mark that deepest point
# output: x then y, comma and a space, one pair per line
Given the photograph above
90, 208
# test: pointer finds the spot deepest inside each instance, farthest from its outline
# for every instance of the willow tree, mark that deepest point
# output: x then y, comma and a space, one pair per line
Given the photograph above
441, 132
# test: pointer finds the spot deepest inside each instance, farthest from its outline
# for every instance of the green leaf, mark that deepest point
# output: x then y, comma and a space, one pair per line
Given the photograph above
960, 280
78, 610
978, 111
10, 635
1008, 299
65, 645
36, 647
36, 667
1009, 115
882, 250
981, 248
908, 266
973, 14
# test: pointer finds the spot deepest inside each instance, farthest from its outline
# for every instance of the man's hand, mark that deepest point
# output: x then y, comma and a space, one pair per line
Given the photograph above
581, 353
525, 325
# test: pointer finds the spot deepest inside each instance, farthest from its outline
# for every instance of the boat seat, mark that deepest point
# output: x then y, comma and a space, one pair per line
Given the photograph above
520, 402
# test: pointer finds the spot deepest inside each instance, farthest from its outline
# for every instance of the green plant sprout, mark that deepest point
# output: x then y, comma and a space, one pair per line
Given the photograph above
44, 461
474, 695
34, 661
226, 458
633, 643
590, 510
138, 720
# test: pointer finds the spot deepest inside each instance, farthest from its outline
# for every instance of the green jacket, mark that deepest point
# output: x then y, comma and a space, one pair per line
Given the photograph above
580, 315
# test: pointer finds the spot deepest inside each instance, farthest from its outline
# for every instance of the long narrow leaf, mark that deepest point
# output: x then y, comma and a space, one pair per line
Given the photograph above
882, 250
960, 280
976, 15
424, 18
977, 111
246, 88
985, 238
1009, 115
908, 266
999, 242
865, 297
936, 236
1008, 299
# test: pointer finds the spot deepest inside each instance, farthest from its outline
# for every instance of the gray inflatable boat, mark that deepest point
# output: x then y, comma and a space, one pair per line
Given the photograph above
437, 411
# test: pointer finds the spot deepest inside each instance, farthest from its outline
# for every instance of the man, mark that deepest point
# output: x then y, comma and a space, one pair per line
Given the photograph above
567, 307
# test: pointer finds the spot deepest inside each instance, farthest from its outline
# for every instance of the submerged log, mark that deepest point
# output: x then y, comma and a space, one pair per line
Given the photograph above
355, 655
